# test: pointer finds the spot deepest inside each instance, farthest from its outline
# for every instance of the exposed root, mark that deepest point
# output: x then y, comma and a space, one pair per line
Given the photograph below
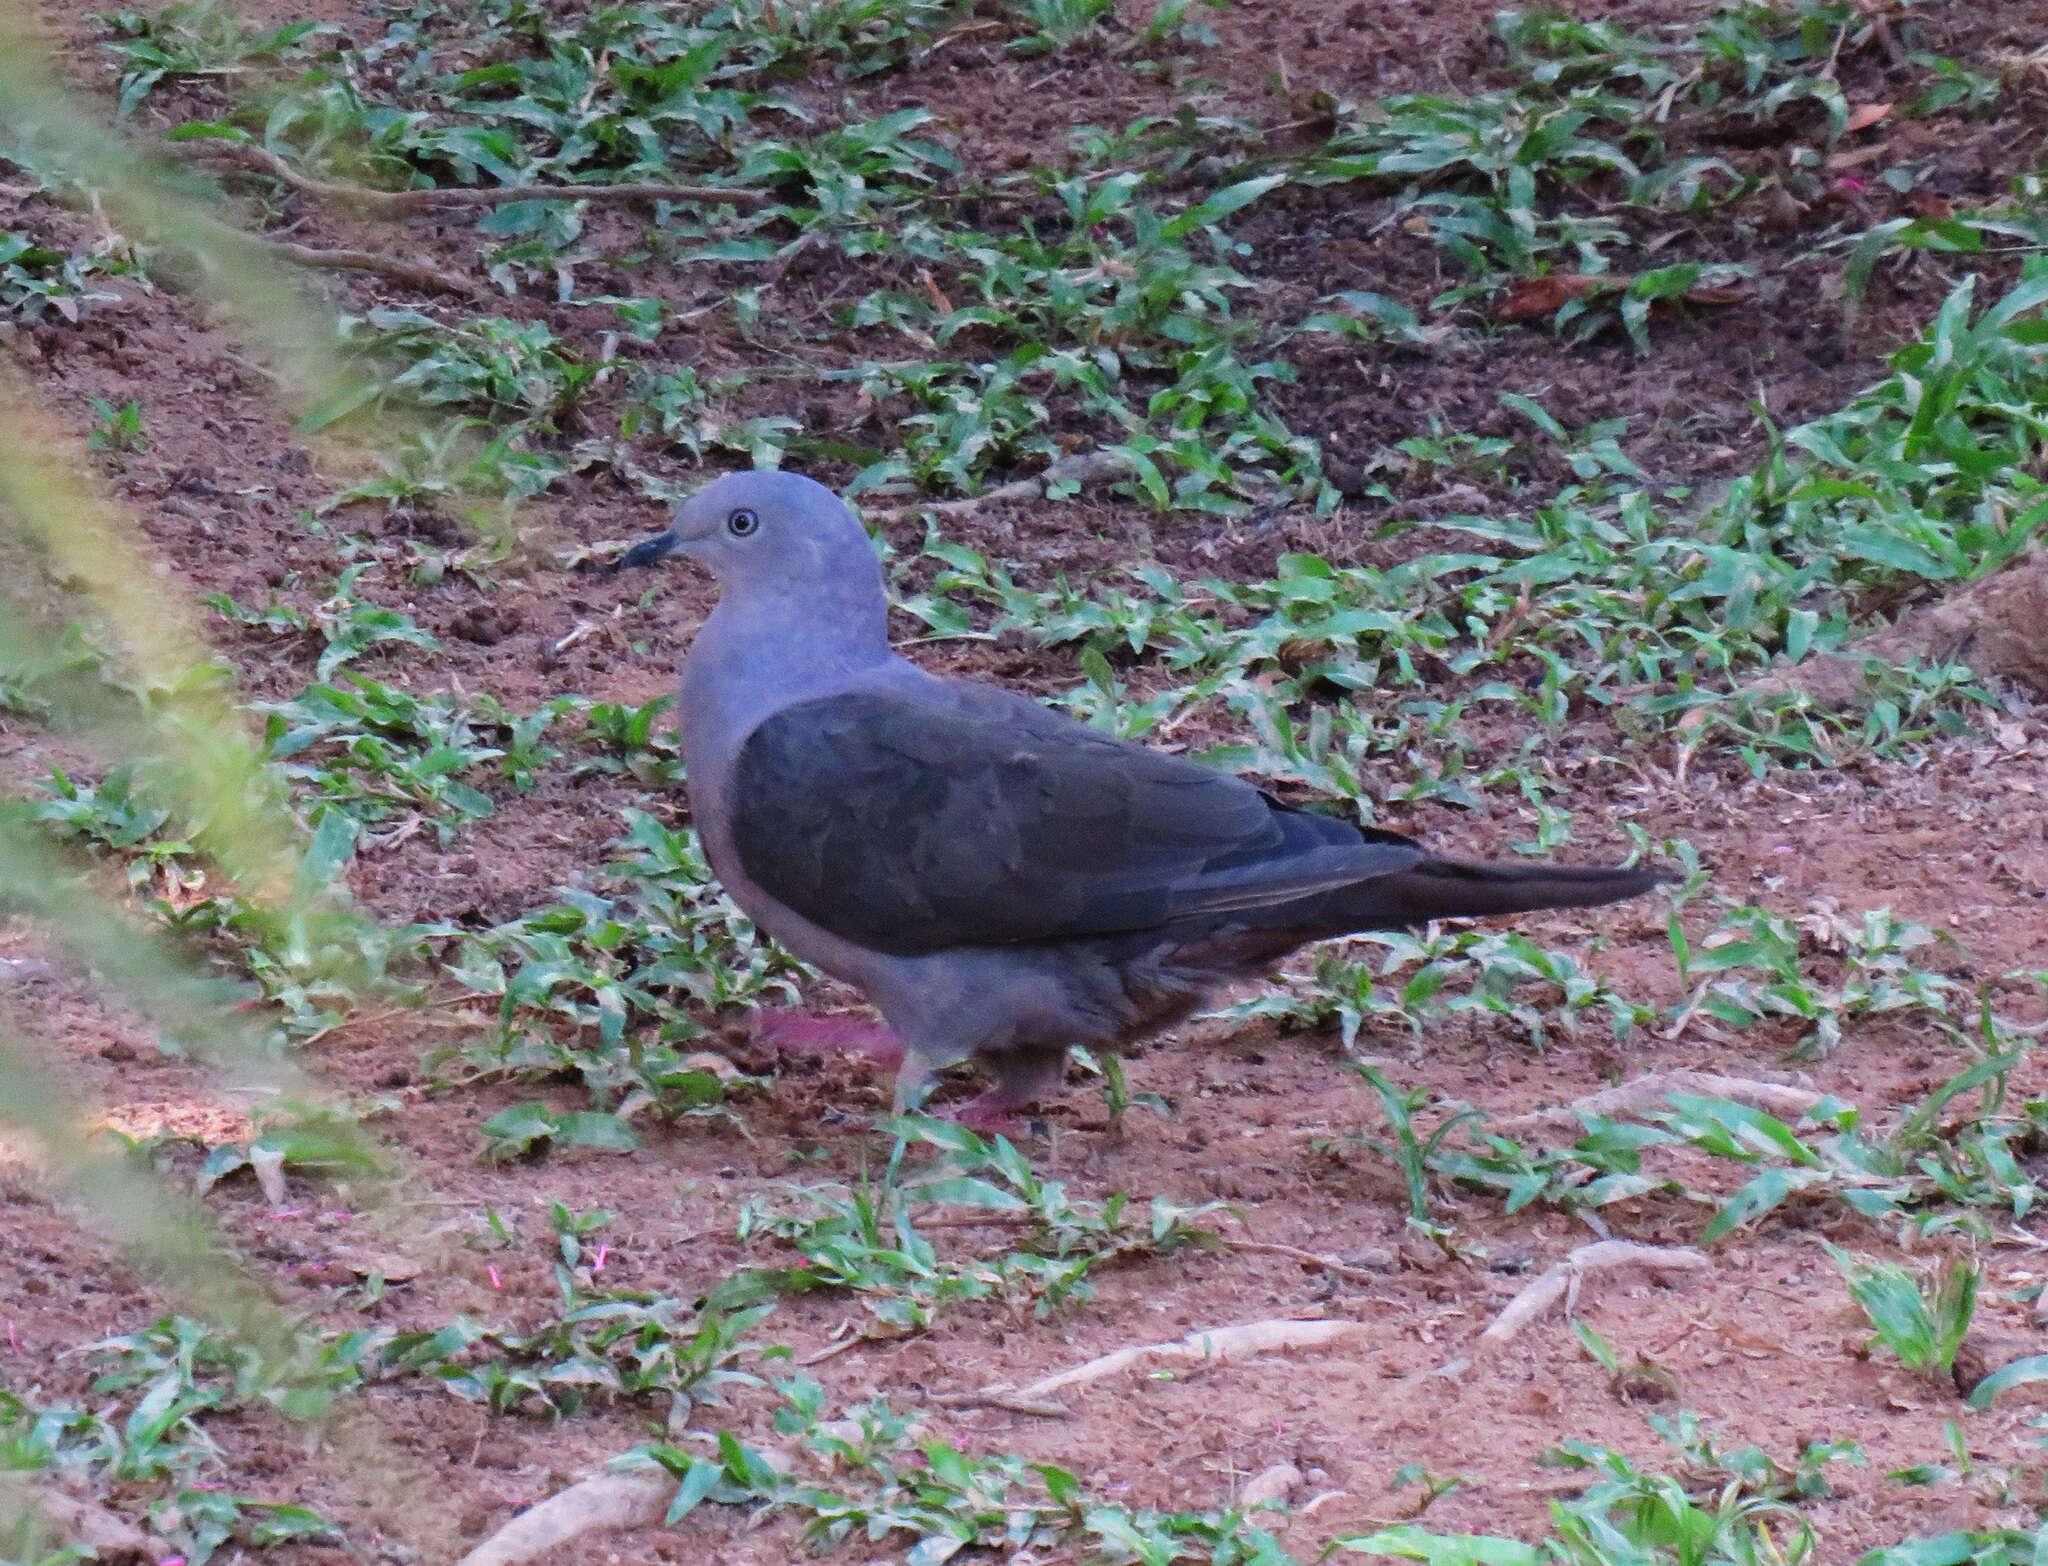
1270, 1487
1562, 1281
613, 1501
1328, 1264
604, 1502
412, 275
1650, 1091
57, 1516
1000, 1397
1215, 1346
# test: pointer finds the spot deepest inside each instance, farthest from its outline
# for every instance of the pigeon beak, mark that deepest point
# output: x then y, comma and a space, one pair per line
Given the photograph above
650, 551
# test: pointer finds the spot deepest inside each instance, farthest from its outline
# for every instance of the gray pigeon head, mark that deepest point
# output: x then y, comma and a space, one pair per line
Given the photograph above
767, 529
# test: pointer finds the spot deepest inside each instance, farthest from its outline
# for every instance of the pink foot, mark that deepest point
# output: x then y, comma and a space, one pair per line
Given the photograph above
816, 1035
989, 1114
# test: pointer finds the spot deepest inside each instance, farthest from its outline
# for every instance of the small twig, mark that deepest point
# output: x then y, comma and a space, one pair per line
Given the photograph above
584, 628
999, 1397
403, 203
975, 1221
1509, 622
446, 1201
424, 278
1827, 72
1307, 1259
834, 1350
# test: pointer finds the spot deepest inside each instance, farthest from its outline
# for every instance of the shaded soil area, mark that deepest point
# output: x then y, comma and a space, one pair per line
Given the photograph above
1764, 1345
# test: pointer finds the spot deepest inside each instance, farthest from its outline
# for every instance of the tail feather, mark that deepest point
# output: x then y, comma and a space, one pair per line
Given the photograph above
1244, 943
1463, 889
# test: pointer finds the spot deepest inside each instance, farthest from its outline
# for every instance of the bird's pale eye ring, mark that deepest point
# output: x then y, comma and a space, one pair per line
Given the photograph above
742, 522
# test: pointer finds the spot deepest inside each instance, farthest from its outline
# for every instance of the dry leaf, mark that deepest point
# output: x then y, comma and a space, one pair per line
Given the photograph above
714, 1065
1865, 115
1538, 296
1751, 1344
268, 1163
392, 1267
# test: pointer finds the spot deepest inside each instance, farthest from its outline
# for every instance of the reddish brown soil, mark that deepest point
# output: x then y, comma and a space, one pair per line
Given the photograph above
1762, 1346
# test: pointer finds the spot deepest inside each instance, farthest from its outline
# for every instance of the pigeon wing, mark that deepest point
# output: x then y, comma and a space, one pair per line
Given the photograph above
975, 817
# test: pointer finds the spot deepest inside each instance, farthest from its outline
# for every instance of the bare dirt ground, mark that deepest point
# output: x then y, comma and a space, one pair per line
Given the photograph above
1763, 1345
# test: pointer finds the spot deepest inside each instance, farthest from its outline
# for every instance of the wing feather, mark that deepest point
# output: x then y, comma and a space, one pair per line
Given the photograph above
978, 818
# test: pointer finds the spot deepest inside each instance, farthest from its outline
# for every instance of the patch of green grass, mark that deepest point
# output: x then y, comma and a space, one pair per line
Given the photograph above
894, 1482
115, 429
198, 39
605, 989
146, 1433
594, 1348
346, 623
37, 282
1661, 621
1751, 967
1923, 1322
865, 1239
1941, 1166
891, 1481
1422, 980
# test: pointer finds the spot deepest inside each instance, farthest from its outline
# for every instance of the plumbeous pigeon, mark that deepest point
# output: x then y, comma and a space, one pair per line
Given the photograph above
1000, 881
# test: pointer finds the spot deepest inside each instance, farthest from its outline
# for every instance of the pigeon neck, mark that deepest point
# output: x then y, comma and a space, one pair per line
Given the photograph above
763, 648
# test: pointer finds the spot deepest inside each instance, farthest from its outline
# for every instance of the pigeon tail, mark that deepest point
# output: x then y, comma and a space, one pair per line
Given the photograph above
1467, 889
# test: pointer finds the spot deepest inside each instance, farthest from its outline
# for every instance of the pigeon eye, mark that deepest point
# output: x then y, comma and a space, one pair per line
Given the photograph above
742, 522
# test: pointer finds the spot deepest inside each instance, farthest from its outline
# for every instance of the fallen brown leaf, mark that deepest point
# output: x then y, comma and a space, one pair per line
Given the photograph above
1540, 296
1537, 296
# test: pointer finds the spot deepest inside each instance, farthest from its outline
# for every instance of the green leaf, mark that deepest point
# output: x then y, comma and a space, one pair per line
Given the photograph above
519, 1127
968, 1191
1752, 1201
2021, 1371
1866, 542
1408, 1542
1220, 205
699, 1481
584, 1128
336, 406
220, 1163
334, 841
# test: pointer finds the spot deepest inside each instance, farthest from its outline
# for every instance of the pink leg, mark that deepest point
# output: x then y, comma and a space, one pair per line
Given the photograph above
1023, 1076
988, 1114
819, 1034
